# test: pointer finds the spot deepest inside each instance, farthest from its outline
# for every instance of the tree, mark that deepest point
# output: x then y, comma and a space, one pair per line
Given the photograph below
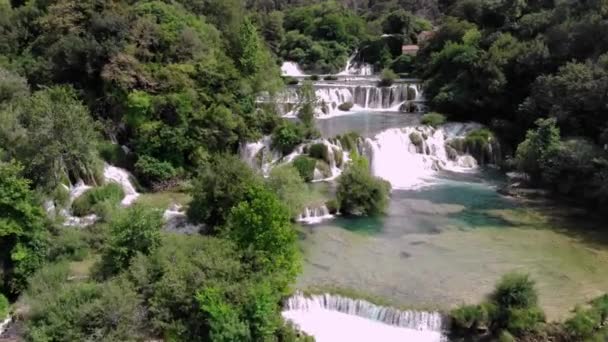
137, 230
287, 136
221, 184
534, 153
53, 135
360, 193
286, 182
260, 225
22, 233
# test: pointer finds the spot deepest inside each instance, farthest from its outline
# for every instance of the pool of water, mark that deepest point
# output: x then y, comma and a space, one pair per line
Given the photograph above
449, 242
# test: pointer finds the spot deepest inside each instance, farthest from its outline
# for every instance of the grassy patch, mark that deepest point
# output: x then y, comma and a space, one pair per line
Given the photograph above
162, 200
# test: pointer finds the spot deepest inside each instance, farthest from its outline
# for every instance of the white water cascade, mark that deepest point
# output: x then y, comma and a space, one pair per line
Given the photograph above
315, 215
401, 97
409, 157
335, 318
354, 68
122, 177
4, 324
291, 69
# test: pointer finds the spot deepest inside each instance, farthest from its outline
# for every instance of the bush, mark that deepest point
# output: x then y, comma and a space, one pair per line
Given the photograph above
433, 119
387, 78
285, 181
86, 204
332, 206
113, 154
469, 317
360, 193
70, 244
290, 80
4, 306
524, 320
403, 64
314, 78
306, 167
506, 336
330, 78
583, 324
515, 290
349, 141
346, 106
287, 136
151, 170
319, 151
221, 184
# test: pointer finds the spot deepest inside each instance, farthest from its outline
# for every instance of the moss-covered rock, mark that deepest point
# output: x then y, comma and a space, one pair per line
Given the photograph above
346, 106
338, 157
319, 151
324, 168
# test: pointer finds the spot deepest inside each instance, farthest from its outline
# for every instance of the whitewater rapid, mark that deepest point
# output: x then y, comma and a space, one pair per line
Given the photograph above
331, 318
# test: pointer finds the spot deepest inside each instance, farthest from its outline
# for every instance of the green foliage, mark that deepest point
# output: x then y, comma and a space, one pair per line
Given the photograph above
68, 244
73, 311
349, 141
306, 167
261, 226
469, 317
585, 323
12, 87
113, 154
387, 78
286, 137
222, 183
360, 193
52, 134
524, 320
88, 203
332, 206
136, 230
346, 106
433, 119
506, 336
4, 307
515, 290
151, 170
286, 182
533, 154
22, 233
319, 151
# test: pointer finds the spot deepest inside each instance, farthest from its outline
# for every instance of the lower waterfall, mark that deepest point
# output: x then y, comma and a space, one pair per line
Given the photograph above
315, 215
122, 177
328, 317
410, 157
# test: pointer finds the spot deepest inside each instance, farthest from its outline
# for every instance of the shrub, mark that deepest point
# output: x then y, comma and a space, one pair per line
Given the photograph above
387, 78
221, 184
338, 157
287, 136
349, 140
111, 193
69, 244
151, 170
524, 320
346, 106
433, 119
583, 324
360, 193
306, 167
469, 317
4, 306
61, 195
515, 290
506, 336
319, 151
332, 206
314, 77
113, 154
330, 78
285, 181
290, 80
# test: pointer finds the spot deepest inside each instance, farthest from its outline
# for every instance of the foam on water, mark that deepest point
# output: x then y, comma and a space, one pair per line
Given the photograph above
335, 318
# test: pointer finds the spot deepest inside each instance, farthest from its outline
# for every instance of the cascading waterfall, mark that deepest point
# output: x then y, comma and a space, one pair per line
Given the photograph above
409, 157
4, 324
291, 69
319, 315
354, 68
315, 215
176, 220
123, 178
402, 97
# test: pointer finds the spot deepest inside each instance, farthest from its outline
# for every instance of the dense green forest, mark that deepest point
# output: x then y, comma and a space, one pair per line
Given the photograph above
167, 89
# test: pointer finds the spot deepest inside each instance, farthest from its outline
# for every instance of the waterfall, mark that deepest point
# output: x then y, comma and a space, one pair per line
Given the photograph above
123, 178
320, 315
402, 97
315, 215
291, 69
176, 220
409, 157
356, 68
4, 324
